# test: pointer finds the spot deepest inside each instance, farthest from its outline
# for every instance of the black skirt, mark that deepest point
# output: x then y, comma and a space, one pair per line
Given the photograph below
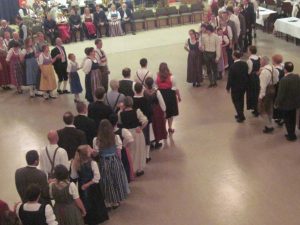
253, 92
170, 99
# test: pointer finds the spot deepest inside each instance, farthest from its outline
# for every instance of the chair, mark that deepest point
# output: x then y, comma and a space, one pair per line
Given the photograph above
173, 15
162, 17
138, 17
196, 10
185, 14
269, 22
287, 9
150, 19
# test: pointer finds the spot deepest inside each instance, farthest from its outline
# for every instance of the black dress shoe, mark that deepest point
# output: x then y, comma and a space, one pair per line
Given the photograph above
210, 86
198, 85
38, 95
255, 113
59, 91
66, 92
291, 138
194, 84
158, 145
140, 173
268, 130
148, 160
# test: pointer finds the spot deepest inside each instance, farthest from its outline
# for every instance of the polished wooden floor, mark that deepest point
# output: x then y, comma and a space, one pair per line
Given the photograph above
213, 171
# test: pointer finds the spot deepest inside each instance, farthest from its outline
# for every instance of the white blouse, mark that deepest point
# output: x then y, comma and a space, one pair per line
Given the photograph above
41, 58
73, 190
70, 65
113, 12
87, 65
117, 140
32, 207
11, 52
95, 169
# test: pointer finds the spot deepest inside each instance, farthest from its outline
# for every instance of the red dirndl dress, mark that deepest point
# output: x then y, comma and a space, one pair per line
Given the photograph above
64, 32
88, 22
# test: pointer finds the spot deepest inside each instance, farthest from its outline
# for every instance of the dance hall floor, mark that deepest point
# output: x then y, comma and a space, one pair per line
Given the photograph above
213, 171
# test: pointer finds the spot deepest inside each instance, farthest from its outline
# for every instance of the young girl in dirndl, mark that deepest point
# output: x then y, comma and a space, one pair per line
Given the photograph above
4, 67
74, 79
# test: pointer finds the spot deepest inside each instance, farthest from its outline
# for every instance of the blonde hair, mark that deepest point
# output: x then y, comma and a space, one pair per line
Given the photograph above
81, 156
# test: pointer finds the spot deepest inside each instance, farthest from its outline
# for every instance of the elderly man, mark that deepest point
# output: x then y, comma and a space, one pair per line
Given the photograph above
126, 17
102, 61
52, 155
70, 137
23, 31
5, 28
288, 99
25, 11
82, 122
29, 175
268, 77
50, 29
113, 98
60, 66
211, 47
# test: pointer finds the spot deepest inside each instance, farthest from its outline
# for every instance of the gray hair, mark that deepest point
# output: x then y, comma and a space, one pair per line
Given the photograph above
265, 59
114, 84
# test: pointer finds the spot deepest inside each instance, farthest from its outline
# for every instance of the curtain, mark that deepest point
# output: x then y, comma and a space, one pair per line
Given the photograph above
9, 10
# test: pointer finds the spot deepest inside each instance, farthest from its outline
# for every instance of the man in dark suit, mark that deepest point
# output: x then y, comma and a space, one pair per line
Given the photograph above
82, 122
237, 84
98, 110
250, 20
100, 20
76, 25
60, 66
126, 17
28, 175
288, 99
70, 137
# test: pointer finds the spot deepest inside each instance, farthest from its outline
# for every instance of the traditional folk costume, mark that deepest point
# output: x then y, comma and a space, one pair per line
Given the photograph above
132, 119
168, 91
158, 109
74, 79
4, 69
31, 69
113, 183
65, 209
92, 78
60, 66
48, 81
115, 28
92, 197
223, 61
104, 71
64, 29
126, 158
278, 114
254, 86
194, 68
89, 27
15, 67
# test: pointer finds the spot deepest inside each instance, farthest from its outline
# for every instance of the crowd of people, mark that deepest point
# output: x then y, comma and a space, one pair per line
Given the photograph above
272, 89
66, 23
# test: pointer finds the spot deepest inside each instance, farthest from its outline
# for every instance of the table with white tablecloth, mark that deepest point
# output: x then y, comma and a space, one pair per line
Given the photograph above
263, 14
290, 26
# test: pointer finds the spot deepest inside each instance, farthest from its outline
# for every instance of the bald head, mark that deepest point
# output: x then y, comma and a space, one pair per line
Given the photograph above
53, 137
58, 41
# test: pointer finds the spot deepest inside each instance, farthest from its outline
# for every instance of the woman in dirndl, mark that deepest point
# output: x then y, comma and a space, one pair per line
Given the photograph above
47, 81
63, 28
86, 172
114, 183
88, 24
194, 67
14, 57
135, 121
114, 20
4, 67
158, 111
167, 86
90, 67
223, 62
31, 66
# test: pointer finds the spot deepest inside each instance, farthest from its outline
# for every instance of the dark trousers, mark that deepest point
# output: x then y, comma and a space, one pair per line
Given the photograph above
211, 66
238, 102
229, 55
241, 43
74, 31
98, 28
104, 76
248, 39
52, 35
132, 25
290, 121
61, 71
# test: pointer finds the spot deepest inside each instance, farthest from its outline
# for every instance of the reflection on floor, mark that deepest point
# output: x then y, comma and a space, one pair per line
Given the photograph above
213, 171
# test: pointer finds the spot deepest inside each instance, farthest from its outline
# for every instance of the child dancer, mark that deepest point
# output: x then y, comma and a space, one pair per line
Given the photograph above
74, 79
